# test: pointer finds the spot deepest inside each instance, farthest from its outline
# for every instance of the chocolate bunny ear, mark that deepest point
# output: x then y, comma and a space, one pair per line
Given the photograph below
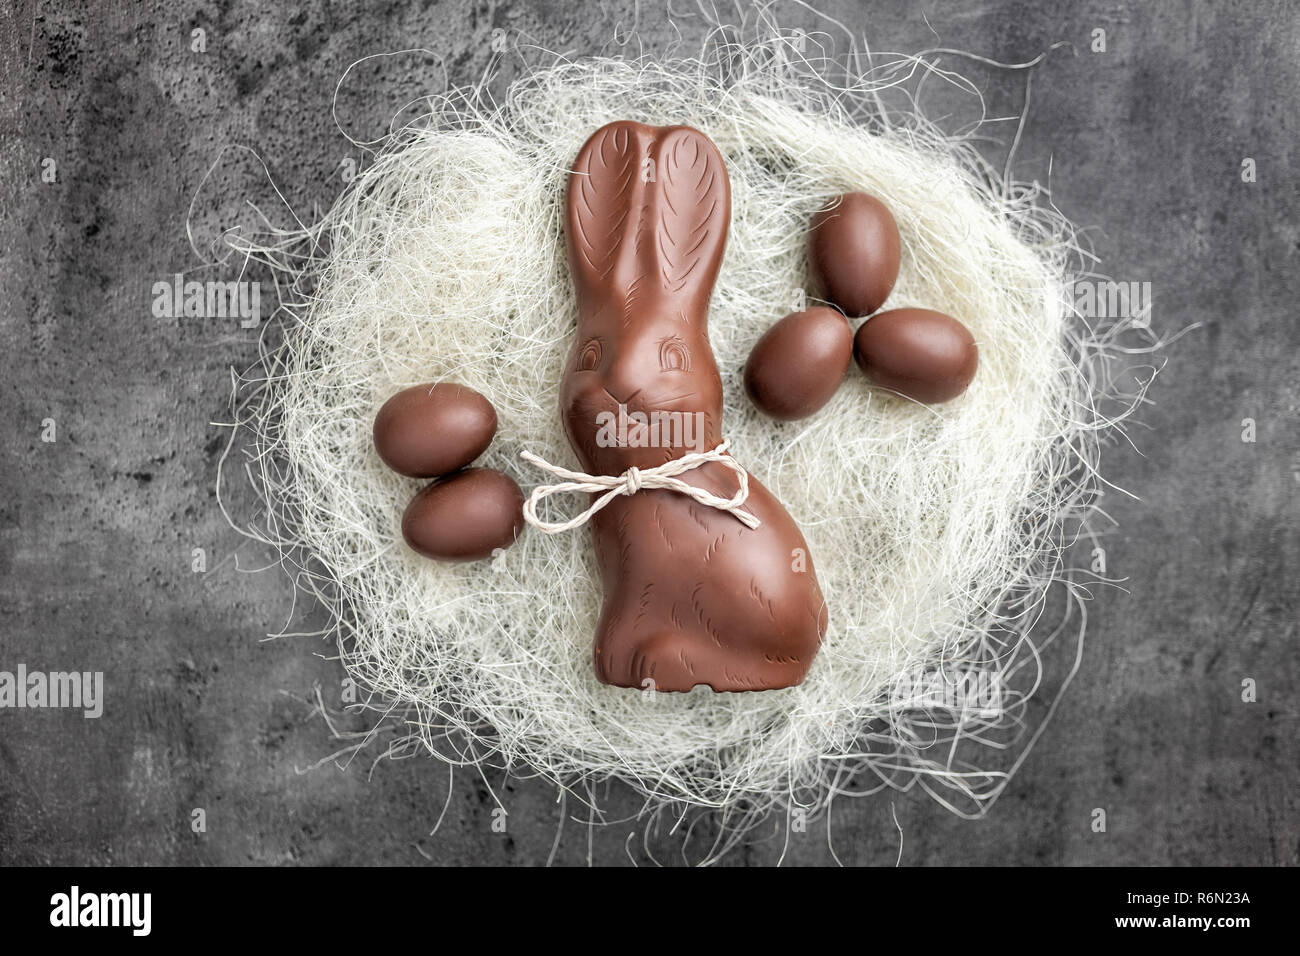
604, 208
648, 210
692, 212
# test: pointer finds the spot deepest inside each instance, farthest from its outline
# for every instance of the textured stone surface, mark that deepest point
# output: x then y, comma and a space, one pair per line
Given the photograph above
1145, 144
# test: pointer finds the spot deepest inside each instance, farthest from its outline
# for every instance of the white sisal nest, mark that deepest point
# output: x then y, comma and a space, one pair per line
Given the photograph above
936, 531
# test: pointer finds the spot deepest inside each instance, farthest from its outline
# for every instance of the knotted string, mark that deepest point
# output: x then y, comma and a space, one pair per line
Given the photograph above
632, 481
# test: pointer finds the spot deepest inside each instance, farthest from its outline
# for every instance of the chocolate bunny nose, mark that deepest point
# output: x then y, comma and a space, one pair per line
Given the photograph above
614, 390
624, 377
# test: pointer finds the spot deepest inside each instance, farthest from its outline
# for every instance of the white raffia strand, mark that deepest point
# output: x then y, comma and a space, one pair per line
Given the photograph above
937, 532
632, 481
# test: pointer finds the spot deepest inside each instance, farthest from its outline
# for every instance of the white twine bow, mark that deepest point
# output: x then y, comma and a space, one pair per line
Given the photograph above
632, 481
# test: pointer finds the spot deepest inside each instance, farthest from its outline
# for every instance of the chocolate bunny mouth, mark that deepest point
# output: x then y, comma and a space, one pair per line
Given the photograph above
585, 408
605, 435
656, 405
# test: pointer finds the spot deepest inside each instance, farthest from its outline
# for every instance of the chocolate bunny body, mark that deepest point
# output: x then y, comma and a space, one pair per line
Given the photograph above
692, 595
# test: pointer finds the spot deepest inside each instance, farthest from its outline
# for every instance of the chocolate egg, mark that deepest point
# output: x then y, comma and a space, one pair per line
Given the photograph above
796, 366
465, 516
925, 355
854, 251
430, 430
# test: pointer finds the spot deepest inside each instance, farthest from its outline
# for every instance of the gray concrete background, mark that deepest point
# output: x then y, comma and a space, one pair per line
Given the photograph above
1145, 141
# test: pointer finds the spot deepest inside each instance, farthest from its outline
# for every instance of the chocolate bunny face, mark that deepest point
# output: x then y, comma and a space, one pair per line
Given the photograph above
692, 594
647, 224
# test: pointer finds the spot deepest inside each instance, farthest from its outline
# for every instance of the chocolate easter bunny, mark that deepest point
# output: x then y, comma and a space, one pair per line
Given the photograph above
693, 595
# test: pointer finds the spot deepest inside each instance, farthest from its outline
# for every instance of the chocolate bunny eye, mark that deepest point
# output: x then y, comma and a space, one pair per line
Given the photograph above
674, 355
589, 357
